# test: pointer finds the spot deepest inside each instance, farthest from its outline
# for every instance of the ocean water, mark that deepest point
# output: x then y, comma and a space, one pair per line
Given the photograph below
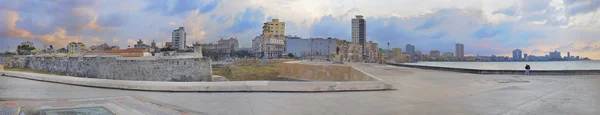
546, 65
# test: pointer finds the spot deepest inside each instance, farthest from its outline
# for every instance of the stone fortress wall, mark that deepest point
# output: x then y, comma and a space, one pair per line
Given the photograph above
181, 69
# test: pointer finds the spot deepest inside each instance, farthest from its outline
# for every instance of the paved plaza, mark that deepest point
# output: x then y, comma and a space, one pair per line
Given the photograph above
417, 92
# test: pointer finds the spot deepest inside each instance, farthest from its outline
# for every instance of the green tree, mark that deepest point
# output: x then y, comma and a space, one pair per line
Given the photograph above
290, 55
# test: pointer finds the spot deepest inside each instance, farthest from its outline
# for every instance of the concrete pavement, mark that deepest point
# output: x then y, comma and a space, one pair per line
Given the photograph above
418, 91
238, 86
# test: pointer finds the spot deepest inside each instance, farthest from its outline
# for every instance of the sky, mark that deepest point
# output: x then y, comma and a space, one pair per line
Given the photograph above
485, 26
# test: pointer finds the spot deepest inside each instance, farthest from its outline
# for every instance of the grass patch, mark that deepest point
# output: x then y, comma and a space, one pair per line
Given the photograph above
225, 72
33, 71
250, 73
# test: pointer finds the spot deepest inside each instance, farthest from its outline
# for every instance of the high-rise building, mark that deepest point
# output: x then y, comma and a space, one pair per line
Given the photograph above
517, 54
410, 49
274, 28
568, 55
555, 55
460, 50
178, 39
434, 54
525, 56
359, 31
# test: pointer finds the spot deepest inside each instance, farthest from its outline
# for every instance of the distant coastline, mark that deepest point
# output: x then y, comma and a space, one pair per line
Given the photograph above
506, 61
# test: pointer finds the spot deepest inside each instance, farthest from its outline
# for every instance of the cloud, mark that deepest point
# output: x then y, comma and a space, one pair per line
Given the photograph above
489, 30
96, 40
329, 26
438, 35
180, 6
131, 42
431, 22
219, 19
58, 38
581, 6
113, 20
115, 40
535, 5
247, 20
510, 11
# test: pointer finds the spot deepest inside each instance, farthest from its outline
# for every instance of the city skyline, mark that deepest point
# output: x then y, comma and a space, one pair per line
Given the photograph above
486, 27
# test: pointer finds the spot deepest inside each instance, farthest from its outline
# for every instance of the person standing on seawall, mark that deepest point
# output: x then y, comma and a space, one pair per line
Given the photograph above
527, 68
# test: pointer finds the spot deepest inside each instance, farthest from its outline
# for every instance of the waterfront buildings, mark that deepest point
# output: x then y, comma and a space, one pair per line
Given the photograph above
517, 54
434, 54
271, 43
448, 55
168, 45
354, 52
269, 46
371, 52
555, 55
359, 31
223, 49
274, 28
410, 49
397, 55
312, 48
178, 39
418, 55
227, 47
76, 47
460, 51
140, 45
102, 48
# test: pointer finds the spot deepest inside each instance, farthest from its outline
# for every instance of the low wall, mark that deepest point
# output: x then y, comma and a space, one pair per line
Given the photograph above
138, 69
511, 72
312, 72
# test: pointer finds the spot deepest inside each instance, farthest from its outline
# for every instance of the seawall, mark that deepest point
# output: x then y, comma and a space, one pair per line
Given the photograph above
510, 72
180, 69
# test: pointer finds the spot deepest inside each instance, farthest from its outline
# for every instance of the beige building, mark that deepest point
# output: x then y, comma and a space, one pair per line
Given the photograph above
354, 53
434, 54
74, 47
396, 54
268, 46
371, 52
448, 55
274, 28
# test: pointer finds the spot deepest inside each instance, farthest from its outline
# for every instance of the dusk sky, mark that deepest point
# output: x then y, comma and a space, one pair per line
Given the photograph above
484, 26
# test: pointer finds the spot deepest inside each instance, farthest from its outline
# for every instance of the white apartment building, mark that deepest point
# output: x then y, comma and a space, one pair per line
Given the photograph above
178, 39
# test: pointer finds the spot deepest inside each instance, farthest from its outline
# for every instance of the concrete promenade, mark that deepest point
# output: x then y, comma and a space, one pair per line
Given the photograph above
232, 86
419, 92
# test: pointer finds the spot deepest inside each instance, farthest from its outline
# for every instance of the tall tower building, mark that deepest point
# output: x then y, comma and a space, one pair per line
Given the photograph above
517, 54
410, 49
460, 50
274, 28
178, 39
359, 31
